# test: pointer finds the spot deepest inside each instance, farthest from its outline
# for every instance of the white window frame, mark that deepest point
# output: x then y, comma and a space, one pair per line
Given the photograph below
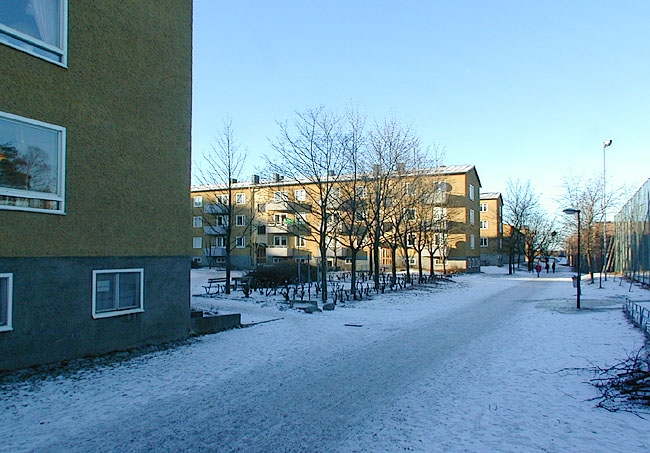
471, 217
278, 238
280, 196
240, 220
240, 198
25, 43
299, 241
197, 221
198, 201
472, 242
240, 242
59, 196
197, 242
112, 313
220, 242
471, 192
300, 195
484, 224
10, 285
485, 242
280, 219
483, 207
412, 261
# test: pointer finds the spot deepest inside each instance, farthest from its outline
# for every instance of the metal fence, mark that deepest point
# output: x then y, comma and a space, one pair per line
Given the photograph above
639, 315
631, 251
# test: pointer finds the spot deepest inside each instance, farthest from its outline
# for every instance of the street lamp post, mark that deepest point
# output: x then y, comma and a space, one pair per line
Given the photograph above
604, 269
572, 211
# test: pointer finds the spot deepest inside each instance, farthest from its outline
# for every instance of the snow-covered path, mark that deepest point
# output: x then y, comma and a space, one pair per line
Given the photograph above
469, 367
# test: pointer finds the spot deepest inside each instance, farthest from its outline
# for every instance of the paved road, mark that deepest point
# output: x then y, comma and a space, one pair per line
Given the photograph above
335, 397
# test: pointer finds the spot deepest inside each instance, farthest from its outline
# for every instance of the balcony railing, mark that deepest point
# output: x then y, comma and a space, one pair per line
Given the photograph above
216, 208
288, 206
215, 251
214, 230
279, 251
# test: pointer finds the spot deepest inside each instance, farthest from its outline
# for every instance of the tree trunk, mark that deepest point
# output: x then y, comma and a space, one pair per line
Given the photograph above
353, 278
323, 272
375, 251
393, 255
431, 272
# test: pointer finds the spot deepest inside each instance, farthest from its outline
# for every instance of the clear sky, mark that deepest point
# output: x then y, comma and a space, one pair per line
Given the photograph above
521, 89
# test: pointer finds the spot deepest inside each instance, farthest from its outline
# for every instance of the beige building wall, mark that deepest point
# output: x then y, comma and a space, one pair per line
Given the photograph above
492, 251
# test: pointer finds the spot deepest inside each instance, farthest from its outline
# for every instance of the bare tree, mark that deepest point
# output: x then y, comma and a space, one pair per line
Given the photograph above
522, 212
223, 166
311, 152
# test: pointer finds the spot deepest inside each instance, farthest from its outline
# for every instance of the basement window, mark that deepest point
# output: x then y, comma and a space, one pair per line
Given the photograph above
118, 292
6, 286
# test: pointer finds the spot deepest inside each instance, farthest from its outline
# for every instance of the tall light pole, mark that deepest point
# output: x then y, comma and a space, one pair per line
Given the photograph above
572, 211
606, 143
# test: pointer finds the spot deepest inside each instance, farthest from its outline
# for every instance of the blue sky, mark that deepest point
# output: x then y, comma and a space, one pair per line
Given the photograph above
518, 88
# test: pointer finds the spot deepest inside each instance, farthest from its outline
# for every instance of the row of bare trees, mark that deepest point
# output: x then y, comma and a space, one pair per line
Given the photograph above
367, 188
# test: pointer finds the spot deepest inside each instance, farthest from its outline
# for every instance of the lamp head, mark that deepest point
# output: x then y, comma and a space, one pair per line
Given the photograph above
607, 143
571, 211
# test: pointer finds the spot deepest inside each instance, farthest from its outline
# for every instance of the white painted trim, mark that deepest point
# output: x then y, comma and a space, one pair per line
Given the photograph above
61, 162
10, 284
110, 314
31, 41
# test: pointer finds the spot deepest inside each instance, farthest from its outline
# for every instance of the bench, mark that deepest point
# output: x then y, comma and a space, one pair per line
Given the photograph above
215, 285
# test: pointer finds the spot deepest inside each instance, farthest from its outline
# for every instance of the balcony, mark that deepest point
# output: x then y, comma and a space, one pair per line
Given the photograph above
288, 206
214, 230
215, 251
338, 251
277, 228
216, 208
279, 251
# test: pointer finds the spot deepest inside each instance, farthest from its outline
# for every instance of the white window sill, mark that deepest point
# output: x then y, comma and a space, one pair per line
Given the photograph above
112, 314
6, 328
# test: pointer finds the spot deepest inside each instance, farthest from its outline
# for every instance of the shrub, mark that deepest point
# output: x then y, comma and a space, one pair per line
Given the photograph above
279, 275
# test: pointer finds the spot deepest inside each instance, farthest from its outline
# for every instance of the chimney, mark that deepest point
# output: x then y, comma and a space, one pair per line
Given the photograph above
401, 167
375, 170
233, 180
330, 172
255, 179
277, 177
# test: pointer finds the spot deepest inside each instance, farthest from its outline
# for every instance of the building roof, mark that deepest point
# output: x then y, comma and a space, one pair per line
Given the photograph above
490, 195
441, 170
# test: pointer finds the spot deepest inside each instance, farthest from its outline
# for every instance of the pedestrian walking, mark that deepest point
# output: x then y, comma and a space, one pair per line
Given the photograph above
538, 268
553, 266
547, 267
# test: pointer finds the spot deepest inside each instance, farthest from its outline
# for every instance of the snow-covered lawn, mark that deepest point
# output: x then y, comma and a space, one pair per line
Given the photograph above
471, 365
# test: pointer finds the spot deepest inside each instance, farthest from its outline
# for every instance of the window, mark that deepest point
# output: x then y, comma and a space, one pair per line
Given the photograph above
261, 229
222, 220
198, 202
6, 287
240, 242
240, 220
410, 240
300, 241
220, 242
335, 193
361, 192
409, 214
198, 221
471, 217
471, 192
472, 245
409, 188
412, 261
280, 241
484, 207
197, 242
500, 227
117, 292
240, 198
38, 27
32, 164
300, 195
500, 243
301, 219
261, 207
223, 199
484, 242
280, 196
484, 224
280, 219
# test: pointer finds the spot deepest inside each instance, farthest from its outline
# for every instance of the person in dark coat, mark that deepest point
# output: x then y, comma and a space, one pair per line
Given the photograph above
547, 267
553, 267
538, 269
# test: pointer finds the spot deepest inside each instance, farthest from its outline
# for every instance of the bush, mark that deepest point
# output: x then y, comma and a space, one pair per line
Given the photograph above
279, 275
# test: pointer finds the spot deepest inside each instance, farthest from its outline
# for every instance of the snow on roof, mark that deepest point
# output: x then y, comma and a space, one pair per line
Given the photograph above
441, 170
490, 195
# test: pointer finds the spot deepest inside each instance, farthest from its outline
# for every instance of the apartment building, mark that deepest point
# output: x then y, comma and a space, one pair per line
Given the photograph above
274, 222
491, 215
95, 111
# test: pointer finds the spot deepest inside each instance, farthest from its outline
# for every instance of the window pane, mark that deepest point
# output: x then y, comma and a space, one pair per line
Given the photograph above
129, 294
29, 157
39, 19
105, 293
4, 301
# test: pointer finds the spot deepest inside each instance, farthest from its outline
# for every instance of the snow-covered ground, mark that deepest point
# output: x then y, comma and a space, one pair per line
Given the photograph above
471, 365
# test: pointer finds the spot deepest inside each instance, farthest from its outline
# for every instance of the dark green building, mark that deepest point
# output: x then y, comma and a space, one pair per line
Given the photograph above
95, 121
